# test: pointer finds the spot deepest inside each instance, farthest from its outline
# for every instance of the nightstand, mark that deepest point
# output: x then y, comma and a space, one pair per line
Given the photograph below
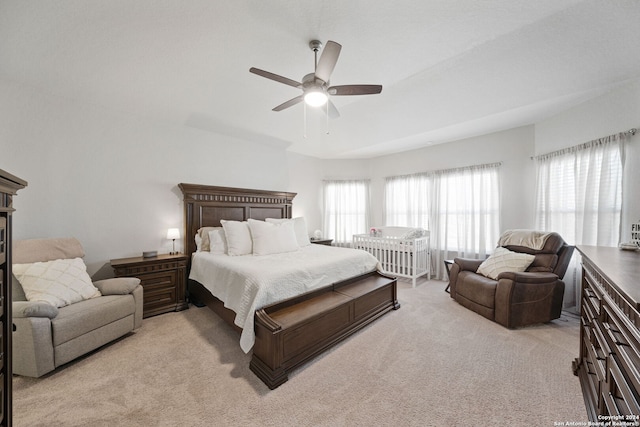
321, 241
163, 279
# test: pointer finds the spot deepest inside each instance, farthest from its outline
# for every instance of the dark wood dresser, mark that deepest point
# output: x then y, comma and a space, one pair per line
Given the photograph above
163, 280
609, 362
9, 186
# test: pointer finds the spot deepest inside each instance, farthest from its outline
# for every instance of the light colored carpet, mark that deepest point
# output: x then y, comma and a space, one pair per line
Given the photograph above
431, 363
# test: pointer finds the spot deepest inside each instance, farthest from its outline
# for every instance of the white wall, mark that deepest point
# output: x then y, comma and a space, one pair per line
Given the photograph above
305, 179
110, 179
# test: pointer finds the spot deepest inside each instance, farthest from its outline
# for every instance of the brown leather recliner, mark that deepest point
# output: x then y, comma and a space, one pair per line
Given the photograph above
515, 298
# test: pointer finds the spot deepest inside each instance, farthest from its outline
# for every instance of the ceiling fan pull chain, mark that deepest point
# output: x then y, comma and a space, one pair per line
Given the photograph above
304, 131
327, 118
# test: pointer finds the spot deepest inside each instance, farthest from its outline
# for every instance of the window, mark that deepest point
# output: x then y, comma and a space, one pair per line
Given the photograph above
346, 210
579, 196
460, 208
406, 201
579, 192
468, 210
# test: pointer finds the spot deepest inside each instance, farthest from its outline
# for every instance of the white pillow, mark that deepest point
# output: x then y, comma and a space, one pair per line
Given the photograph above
198, 240
299, 227
503, 260
217, 242
272, 238
203, 233
60, 282
238, 237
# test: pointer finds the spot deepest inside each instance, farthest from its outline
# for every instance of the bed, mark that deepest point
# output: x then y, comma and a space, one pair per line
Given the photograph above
319, 282
402, 251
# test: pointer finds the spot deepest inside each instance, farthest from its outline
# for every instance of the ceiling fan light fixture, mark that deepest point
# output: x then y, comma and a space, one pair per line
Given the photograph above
315, 86
315, 98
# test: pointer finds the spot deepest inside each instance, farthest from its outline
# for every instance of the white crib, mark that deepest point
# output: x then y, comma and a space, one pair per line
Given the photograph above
399, 252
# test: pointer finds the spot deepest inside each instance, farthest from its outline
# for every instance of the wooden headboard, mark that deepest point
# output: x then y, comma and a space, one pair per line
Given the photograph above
206, 205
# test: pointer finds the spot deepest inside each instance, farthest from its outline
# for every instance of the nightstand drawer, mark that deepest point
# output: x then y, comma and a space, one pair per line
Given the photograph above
163, 279
159, 291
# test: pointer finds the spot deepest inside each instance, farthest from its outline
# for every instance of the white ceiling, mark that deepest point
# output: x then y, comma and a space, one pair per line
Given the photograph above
450, 69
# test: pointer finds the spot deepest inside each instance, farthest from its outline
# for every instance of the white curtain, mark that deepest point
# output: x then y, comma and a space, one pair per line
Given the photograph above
467, 212
579, 196
346, 210
406, 201
460, 207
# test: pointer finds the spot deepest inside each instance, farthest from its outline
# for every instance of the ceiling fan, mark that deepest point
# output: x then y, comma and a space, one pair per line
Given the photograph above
315, 86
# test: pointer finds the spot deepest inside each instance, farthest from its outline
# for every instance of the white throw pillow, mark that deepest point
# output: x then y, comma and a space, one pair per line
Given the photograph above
198, 240
217, 242
299, 227
238, 237
272, 238
203, 233
503, 260
60, 282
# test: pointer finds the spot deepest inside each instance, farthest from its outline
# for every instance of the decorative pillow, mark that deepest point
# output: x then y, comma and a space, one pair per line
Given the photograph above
198, 240
60, 282
299, 227
203, 233
238, 237
503, 260
217, 242
272, 238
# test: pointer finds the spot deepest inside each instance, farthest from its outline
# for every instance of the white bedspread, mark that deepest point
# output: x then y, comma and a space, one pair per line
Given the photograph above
247, 283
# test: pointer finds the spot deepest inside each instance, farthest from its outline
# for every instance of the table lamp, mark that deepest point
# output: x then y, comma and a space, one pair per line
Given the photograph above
173, 234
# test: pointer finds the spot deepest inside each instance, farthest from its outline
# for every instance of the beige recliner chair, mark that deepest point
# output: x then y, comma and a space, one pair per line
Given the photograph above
45, 336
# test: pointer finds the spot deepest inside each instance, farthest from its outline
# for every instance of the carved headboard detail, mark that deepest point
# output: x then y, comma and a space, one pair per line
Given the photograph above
206, 205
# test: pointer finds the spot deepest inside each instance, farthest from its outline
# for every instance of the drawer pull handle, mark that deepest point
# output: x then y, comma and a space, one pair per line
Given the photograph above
614, 337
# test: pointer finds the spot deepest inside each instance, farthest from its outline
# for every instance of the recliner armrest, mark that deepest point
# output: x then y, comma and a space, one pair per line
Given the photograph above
529, 277
25, 309
117, 285
468, 264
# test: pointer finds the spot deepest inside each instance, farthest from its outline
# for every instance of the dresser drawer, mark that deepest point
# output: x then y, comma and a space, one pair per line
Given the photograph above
2, 355
2, 397
620, 399
625, 343
3, 240
597, 358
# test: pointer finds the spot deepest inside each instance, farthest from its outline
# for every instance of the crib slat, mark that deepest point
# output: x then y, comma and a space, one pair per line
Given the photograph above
410, 258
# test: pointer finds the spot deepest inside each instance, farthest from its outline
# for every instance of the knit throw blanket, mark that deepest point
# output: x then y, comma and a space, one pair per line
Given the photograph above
527, 238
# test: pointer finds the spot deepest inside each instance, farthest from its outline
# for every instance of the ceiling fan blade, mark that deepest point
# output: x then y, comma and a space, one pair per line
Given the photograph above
333, 111
289, 103
275, 77
354, 90
327, 61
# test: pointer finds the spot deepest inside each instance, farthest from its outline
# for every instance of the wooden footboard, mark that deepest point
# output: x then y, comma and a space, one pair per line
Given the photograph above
292, 332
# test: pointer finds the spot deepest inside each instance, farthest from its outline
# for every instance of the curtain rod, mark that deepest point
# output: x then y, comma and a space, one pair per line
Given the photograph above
631, 132
461, 168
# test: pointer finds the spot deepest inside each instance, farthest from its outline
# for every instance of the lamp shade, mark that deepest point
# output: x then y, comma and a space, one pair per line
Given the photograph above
173, 233
315, 98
